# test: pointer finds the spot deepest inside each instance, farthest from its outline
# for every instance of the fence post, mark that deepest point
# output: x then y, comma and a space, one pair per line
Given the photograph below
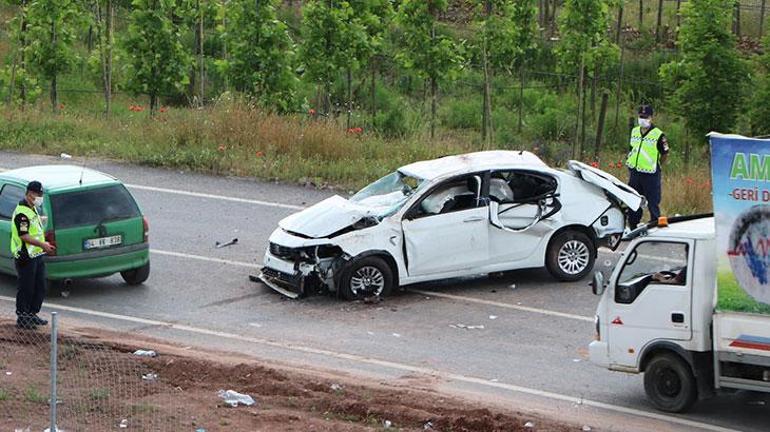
761, 19
659, 21
54, 367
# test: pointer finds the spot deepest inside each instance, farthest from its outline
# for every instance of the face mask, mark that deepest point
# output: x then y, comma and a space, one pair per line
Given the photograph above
38, 201
645, 123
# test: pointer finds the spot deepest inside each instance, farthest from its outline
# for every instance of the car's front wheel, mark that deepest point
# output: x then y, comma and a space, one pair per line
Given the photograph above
136, 276
367, 277
570, 256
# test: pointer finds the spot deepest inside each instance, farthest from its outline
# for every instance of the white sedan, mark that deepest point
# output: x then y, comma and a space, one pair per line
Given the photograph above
455, 216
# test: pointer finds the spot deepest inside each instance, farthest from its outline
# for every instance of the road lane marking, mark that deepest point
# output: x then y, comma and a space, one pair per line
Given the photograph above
423, 292
387, 364
208, 196
503, 305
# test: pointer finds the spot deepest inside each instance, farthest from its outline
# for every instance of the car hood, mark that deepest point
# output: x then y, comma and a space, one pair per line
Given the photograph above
621, 191
326, 218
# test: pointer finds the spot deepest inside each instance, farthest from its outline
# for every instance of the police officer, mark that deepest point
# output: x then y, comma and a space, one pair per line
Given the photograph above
28, 247
649, 149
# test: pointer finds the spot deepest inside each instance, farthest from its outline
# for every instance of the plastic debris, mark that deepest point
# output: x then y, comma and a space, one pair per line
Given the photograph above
370, 333
577, 360
586, 428
513, 286
150, 377
56, 428
387, 424
336, 387
65, 156
494, 380
467, 327
427, 426
493, 317
257, 325
219, 245
200, 430
757, 402
529, 425
123, 424
9, 373
145, 353
233, 398
21, 430
396, 335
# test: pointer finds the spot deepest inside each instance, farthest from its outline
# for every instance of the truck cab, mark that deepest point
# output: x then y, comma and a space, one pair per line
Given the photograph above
658, 315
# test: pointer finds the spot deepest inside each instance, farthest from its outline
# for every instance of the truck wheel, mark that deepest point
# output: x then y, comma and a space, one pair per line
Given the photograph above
367, 277
570, 256
136, 276
670, 384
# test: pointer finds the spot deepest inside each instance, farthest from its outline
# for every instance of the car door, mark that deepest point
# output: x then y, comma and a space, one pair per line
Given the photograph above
644, 308
447, 230
518, 201
10, 195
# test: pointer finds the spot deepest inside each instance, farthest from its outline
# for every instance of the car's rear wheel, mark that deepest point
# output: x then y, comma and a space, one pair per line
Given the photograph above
136, 276
570, 256
367, 277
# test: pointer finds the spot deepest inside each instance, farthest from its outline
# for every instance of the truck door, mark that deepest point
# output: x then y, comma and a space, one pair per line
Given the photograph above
652, 299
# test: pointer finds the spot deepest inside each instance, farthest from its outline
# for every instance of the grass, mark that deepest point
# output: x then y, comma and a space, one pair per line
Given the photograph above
32, 394
230, 138
4, 395
99, 394
733, 298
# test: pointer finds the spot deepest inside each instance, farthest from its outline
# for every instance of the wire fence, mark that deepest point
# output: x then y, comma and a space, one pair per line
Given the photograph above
97, 386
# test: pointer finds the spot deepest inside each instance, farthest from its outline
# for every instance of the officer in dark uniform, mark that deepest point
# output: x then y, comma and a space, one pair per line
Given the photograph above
28, 247
648, 150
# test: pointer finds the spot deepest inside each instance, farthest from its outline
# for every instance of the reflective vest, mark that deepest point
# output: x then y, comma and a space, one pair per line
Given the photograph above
643, 156
35, 231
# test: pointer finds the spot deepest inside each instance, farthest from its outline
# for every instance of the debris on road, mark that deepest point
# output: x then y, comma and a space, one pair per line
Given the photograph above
493, 317
145, 353
150, 377
427, 426
372, 299
9, 373
396, 335
65, 156
233, 398
467, 327
387, 424
336, 387
219, 245
65, 293
586, 428
513, 286
529, 425
123, 424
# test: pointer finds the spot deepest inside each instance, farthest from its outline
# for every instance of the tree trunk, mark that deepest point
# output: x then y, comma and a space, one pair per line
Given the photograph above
762, 19
583, 122
23, 60
594, 82
201, 59
619, 30
153, 104
12, 84
108, 75
737, 19
374, 92
659, 21
350, 95
641, 14
486, 115
678, 18
600, 125
547, 18
521, 98
576, 146
619, 92
54, 81
433, 95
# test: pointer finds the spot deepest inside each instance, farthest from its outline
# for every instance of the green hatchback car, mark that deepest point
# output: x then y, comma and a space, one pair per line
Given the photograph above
92, 219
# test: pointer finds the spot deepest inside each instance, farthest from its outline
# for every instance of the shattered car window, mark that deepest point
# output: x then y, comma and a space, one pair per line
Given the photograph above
388, 194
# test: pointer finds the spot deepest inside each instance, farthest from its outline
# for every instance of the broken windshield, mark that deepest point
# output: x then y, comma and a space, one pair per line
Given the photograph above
388, 194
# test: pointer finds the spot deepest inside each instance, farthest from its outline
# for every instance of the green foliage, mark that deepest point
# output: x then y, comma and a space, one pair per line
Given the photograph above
709, 77
261, 60
424, 50
53, 28
509, 31
583, 27
157, 59
759, 114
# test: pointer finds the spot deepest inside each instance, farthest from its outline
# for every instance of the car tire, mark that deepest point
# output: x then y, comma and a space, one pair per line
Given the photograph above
669, 383
136, 276
570, 256
367, 277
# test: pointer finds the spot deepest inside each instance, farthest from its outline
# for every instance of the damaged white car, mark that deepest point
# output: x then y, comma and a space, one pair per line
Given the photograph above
455, 216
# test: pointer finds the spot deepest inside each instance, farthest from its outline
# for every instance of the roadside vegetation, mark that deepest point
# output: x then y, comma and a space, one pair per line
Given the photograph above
339, 93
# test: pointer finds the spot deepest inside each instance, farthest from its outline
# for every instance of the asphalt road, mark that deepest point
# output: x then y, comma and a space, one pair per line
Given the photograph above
531, 353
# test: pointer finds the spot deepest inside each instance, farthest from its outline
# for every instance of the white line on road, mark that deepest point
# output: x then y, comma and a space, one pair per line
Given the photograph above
209, 196
203, 258
389, 364
504, 305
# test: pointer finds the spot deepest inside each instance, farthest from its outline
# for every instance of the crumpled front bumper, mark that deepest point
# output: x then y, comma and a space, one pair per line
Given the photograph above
292, 286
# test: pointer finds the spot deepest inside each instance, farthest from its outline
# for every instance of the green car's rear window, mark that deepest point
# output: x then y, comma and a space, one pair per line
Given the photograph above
90, 207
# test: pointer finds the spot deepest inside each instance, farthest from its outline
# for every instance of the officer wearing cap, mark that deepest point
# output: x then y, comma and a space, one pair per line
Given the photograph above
649, 149
28, 247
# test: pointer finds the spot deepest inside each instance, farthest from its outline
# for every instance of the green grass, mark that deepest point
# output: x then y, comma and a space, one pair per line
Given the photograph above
99, 394
731, 297
32, 394
4, 395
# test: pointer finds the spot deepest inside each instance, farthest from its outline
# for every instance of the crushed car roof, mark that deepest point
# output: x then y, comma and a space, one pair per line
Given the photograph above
472, 162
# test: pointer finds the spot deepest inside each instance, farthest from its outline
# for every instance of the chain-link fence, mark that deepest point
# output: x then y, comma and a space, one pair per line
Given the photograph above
98, 385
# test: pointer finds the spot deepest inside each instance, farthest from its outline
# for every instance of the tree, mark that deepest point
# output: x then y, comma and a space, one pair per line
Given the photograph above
709, 76
507, 31
261, 55
103, 24
157, 59
583, 46
431, 55
18, 77
53, 26
759, 114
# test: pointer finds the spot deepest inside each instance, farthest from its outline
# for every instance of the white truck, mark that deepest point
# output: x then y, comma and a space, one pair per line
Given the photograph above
688, 303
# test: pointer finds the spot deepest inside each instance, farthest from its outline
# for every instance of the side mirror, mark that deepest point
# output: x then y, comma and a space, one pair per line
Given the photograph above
597, 284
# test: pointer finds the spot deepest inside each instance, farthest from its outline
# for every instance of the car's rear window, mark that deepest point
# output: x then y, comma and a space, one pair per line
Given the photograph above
90, 207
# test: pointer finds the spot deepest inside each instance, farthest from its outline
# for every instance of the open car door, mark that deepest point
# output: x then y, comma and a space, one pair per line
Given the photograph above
611, 184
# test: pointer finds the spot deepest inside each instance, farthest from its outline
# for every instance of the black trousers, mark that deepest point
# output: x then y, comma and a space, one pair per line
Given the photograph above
649, 186
32, 286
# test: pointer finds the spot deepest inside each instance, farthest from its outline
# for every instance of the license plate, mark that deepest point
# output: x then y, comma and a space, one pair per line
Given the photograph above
102, 242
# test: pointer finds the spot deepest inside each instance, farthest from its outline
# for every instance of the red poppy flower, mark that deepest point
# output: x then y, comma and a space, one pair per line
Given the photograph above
259, 154
619, 164
595, 164
163, 109
311, 112
221, 148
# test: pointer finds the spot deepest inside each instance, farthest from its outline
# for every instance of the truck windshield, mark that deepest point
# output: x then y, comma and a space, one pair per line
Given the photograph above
664, 259
93, 206
388, 194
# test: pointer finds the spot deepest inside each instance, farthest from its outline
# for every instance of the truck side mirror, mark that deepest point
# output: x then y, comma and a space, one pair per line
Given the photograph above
597, 284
